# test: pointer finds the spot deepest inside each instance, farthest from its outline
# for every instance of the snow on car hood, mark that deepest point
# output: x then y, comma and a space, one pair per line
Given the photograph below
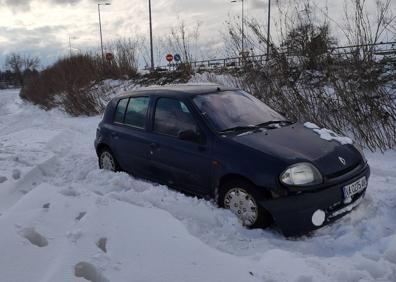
327, 134
296, 143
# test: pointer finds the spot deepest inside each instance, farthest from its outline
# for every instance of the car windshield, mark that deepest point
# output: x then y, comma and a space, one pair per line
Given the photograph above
235, 109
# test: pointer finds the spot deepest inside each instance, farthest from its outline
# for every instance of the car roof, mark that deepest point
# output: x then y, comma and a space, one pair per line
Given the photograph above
178, 90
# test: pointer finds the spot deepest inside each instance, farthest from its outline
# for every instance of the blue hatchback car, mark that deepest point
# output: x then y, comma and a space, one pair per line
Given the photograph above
223, 143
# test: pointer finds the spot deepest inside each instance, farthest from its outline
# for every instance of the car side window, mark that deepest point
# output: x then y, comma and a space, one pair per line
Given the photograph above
172, 117
136, 112
120, 111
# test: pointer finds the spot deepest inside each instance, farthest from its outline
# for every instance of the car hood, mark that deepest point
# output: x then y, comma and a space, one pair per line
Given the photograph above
295, 143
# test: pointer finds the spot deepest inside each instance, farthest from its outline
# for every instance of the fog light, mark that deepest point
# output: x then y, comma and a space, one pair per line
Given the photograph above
318, 217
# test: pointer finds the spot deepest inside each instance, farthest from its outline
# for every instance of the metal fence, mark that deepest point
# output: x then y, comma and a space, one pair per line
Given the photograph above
380, 50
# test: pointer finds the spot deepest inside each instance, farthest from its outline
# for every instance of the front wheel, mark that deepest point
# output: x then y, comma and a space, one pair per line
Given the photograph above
107, 161
241, 198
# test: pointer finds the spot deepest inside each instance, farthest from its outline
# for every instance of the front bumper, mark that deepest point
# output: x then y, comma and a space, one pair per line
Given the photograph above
293, 214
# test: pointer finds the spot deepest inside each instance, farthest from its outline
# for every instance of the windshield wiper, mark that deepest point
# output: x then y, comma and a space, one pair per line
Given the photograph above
240, 128
273, 123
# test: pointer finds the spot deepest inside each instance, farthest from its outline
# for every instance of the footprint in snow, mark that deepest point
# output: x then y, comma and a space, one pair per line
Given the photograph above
16, 174
34, 237
102, 244
89, 272
75, 235
81, 215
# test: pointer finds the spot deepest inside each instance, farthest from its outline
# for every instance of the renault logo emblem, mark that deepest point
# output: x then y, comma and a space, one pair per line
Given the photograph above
342, 160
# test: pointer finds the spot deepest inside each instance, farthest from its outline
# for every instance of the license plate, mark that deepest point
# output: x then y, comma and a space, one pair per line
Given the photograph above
355, 187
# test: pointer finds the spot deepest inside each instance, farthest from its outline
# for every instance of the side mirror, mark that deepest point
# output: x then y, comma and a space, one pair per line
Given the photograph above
190, 135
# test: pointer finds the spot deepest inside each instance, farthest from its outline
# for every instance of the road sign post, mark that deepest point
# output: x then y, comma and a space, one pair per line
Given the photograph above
169, 58
109, 57
177, 58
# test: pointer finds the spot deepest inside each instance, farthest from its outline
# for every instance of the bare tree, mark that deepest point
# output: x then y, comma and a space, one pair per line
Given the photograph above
125, 60
21, 65
184, 40
364, 30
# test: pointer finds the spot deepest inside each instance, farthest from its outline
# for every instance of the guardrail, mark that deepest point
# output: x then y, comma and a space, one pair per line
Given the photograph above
384, 49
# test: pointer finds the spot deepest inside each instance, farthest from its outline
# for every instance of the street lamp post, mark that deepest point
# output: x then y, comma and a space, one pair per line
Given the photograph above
100, 29
269, 29
70, 45
70, 49
151, 38
243, 26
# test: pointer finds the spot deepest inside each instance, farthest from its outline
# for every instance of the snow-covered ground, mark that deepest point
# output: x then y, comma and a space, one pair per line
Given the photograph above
62, 219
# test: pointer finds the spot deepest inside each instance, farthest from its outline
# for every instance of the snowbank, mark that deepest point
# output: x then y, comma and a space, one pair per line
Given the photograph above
62, 219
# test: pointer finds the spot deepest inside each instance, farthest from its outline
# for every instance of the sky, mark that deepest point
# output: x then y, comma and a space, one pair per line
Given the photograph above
42, 28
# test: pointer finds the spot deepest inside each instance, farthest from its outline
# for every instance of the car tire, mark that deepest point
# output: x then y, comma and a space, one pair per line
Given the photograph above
107, 161
242, 199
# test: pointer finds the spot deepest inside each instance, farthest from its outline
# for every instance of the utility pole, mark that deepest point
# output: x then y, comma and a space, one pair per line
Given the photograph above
151, 38
70, 45
70, 49
100, 29
242, 27
269, 29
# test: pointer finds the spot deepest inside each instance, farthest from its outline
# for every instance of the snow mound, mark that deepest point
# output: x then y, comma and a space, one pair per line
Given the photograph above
63, 219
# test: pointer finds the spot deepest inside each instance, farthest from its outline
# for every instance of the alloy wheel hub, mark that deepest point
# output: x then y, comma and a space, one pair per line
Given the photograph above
242, 204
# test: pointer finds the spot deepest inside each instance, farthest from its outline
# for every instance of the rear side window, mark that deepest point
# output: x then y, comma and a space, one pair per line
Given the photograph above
120, 111
172, 117
136, 111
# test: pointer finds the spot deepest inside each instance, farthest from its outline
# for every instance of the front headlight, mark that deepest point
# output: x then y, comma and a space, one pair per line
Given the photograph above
301, 174
360, 149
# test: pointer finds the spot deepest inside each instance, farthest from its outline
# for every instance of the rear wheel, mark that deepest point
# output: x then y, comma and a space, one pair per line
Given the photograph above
107, 161
241, 198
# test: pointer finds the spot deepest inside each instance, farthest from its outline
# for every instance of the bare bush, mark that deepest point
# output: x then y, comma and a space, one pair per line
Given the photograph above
71, 82
76, 84
66, 84
124, 63
305, 79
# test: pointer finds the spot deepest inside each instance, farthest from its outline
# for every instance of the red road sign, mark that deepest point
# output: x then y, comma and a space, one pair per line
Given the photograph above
169, 58
109, 56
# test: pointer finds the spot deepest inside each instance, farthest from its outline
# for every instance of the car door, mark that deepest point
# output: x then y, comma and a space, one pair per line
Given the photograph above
130, 137
176, 162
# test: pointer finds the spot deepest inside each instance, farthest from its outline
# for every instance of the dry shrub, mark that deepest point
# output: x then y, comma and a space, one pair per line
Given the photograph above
70, 82
125, 62
77, 85
66, 84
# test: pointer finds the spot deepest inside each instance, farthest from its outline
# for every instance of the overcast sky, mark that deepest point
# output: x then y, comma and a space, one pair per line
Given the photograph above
43, 27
